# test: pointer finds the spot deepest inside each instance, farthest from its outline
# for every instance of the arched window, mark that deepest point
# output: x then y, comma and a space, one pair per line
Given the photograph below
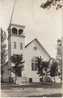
14, 30
20, 31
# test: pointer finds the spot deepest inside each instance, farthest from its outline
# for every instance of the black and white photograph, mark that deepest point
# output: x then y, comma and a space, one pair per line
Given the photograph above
31, 48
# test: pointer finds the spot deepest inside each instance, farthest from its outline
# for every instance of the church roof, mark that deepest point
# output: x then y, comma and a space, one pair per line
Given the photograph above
39, 45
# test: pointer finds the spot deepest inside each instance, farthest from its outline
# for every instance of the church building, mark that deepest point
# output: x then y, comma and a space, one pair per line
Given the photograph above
16, 46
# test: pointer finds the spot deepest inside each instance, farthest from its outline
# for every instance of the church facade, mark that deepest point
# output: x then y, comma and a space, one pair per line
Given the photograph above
33, 50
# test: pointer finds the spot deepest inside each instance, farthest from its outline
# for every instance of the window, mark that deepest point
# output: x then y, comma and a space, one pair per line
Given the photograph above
14, 31
34, 64
20, 31
21, 45
14, 45
35, 48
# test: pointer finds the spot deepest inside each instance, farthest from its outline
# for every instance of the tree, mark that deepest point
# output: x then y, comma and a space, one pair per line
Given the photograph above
54, 69
3, 47
49, 3
18, 61
42, 66
3, 52
59, 56
39, 64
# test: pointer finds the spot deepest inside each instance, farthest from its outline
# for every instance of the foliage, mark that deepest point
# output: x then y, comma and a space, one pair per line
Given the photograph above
3, 52
42, 65
45, 66
54, 69
49, 3
18, 61
39, 64
3, 47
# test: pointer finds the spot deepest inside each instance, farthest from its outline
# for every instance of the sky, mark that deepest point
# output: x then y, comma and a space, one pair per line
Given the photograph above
45, 25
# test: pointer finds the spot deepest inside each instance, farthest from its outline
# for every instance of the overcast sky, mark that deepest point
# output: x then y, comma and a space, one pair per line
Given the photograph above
46, 25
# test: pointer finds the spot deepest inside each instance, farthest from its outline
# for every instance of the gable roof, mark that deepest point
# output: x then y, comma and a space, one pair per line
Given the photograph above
39, 45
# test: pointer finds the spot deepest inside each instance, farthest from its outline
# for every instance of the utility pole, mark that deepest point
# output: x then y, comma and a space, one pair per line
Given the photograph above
12, 12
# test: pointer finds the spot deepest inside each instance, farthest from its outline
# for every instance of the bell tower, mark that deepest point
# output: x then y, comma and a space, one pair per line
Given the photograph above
16, 39
16, 44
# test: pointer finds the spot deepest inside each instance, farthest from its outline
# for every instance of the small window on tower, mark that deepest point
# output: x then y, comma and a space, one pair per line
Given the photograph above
20, 31
14, 45
14, 31
21, 45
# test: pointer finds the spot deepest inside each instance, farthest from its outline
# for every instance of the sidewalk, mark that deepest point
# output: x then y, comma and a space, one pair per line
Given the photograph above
32, 85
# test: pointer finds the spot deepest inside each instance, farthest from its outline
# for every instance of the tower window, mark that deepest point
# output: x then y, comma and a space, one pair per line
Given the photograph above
14, 30
21, 45
14, 45
20, 31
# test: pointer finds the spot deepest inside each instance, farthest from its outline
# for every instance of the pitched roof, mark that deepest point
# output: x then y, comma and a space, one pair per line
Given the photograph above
39, 45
